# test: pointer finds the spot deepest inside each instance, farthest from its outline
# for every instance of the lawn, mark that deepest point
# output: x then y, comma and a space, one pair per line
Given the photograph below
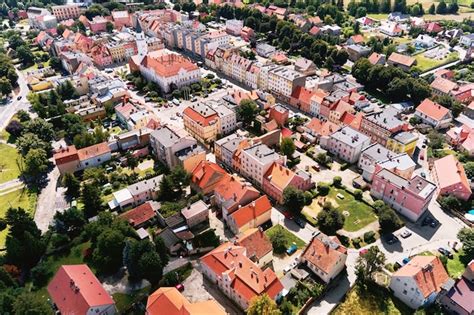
8, 165
425, 64
290, 237
360, 214
123, 301
455, 266
378, 16
19, 198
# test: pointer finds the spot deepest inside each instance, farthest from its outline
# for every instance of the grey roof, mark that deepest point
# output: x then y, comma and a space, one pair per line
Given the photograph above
231, 142
175, 220
402, 162
145, 185
203, 109
165, 136
262, 153
195, 208
386, 118
405, 137
189, 151
378, 152
287, 73
350, 136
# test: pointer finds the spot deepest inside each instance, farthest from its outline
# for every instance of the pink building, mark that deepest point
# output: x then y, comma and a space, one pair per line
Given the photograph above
101, 56
121, 19
451, 178
98, 24
410, 197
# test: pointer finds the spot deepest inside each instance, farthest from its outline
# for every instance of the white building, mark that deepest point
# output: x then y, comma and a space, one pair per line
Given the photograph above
282, 81
265, 50
256, 160
227, 117
234, 27
225, 148
346, 143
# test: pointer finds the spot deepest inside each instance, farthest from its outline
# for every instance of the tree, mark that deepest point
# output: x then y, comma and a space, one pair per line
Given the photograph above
287, 146
432, 9
28, 303
109, 27
55, 63
466, 236
71, 222
40, 127
369, 263
279, 241
29, 141
323, 188
177, 7
107, 253
247, 111
5, 86
337, 181
293, 199
162, 250
322, 158
469, 169
435, 140
142, 261
67, 91
388, 220
441, 8
450, 203
40, 274
15, 128
23, 115
91, 197
15, 41
330, 221
151, 265
262, 305
72, 184
25, 55
36, 162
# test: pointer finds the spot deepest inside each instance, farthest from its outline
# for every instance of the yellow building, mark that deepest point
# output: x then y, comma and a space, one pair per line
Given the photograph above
403, 142
202, 122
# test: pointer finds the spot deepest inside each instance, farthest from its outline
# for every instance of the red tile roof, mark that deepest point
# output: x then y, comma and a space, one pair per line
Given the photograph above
66, 155
402, 59
357, 39
168, 65
256, 242
207, 174
322, 128
198, 118
302, 94
432, 110
451, 172
93, 151
139, 215
252, 211
324, 251
232, 187
427, 271
75, 289
443, 85
375, 58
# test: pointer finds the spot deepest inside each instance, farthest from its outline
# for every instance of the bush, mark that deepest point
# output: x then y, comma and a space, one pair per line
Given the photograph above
308, 198
337, 181
323, 188
369, 237
358, 194
356, 242
40, 275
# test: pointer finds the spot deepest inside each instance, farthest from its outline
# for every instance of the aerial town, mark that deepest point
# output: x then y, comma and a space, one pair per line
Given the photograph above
236, 157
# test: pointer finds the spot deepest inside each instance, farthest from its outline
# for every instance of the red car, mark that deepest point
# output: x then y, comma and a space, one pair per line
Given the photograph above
288, 215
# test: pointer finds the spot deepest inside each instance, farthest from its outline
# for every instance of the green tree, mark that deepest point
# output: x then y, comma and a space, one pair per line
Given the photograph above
388, 220
469, 169
55, 63
25, 55
368, 264
293, 199
287, 147
466, 236
279, 241
40, 274
40, 127
36, 162
70, 222
107, 253
432, 9
72, 184
91, 197
450, 203
441, 8
262, 305
67, 91
109, 27
142, 261
247, 111
5, 86
28, 303
323, 188
337, 181
330, 221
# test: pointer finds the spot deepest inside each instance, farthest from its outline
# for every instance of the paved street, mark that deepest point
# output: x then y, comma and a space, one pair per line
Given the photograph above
8, 110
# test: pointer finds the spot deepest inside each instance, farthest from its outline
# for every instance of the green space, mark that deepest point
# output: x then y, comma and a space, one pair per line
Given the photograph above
123, 301
22, 198
378, 16
8, 163
456, 265
425, 64
290, 237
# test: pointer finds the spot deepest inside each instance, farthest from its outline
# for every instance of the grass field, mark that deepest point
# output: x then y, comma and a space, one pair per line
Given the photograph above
424, 63
123, 301
290, 237
455, 266
8, 163
18, 198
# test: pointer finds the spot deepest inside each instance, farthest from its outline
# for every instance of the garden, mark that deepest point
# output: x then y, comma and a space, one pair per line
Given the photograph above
281, 239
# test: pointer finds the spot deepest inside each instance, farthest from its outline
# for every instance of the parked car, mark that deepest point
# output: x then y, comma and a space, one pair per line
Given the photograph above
445, 252
430, 221
175, 101
291, 249
180, 287
405, 234
406, 260
287, 269
288, 215
301, 223
19, 97
423, 174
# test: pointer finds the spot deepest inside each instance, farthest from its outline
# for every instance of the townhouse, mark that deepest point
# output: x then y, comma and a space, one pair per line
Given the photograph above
346, 143
459, 299
121, 19
66, 12
450, 178
142, 215
316, 101
70, 159
325, 256
250, 216
433, 114
403, 142
195, 213
282, 81
225, 148
259, 247
206, 176
442, 86
280, 114
227, 119
256, 160
381, 126
409, 197
315, 130
166, 142
301, 98
420, 281
202, 122
237, 276
166, 70
278, 177
265, 50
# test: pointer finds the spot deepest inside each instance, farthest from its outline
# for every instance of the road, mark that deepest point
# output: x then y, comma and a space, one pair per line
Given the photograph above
7, 111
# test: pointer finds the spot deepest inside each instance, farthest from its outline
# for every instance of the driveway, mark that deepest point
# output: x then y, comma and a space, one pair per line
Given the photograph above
197, 288
306, 233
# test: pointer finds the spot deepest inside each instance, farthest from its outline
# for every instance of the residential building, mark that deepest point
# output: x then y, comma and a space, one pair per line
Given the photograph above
460, 298
256, 160
450, 177
377, 59
232, 192
136, 194
346, 143
401, 164
282, 81
317, 100
317, 130
227, 119
403, 142
265, 50
419, 282
301, 98
250, 216
356, 52
278, 177
66, 12
196, 213
98, 24
247, 34
206, 176
121, 19
40, 18
237, 276
189, 158
372, 156
167, 141
280, 114
305, 66
424, 41
442, 86
325, 256
74, 289
391, 29
170, 301
70, 159
259, 247
166, 70
466, 40
410, 197
234, 27
433, 114
142, 215
401, 61
381, 126
202, 122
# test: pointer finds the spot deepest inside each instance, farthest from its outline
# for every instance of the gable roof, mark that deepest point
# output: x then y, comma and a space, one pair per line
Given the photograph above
74, 289
251, 211
139, 215
401, 59
433, 110
450, 172
428, 273
443, 85
168, 65
256, 242
206, 174
324, 251
374, 58
235, 189
93, 151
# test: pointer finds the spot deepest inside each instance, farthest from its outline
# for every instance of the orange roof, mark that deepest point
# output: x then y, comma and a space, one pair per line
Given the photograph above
357, 120
66, 155
252, 211
374, 58
322, 128
256, 242
357, 39
432, 109
93, 151
206, 174
427, 271
324, 251
302, 94
450, 172
314, 30
139, 215
279, 176
347, 118
402, 59
232, 187
169, 301
246, 278
199, 118
153, 124
343, 107
168, 65
443, 85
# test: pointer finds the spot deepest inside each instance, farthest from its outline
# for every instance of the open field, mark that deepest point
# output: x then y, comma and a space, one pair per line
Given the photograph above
360, 214
8, 164
424, 63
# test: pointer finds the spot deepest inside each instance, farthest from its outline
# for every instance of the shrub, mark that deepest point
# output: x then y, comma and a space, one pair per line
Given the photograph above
323, 188
308, 198
358, 194
356, 242
336, 181
369, 237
